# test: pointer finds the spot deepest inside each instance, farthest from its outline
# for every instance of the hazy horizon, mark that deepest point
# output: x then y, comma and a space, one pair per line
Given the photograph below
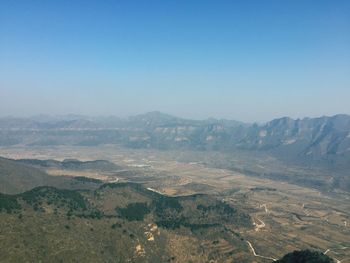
249, 61
77, 116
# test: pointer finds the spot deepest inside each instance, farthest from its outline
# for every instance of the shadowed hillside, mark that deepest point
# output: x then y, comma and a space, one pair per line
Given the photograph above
20, 176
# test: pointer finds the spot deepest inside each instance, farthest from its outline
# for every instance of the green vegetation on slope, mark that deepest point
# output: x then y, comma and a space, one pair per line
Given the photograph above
111, 223
72, 199
8, 203
134, 211
194, 211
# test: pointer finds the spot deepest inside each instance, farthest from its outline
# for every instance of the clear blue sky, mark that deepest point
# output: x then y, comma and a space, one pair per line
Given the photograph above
246, 60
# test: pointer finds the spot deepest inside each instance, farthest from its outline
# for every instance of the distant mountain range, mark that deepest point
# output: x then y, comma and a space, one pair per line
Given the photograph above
313, 138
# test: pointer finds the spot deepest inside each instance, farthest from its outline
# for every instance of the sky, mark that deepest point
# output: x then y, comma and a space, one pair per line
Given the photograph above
248, 60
